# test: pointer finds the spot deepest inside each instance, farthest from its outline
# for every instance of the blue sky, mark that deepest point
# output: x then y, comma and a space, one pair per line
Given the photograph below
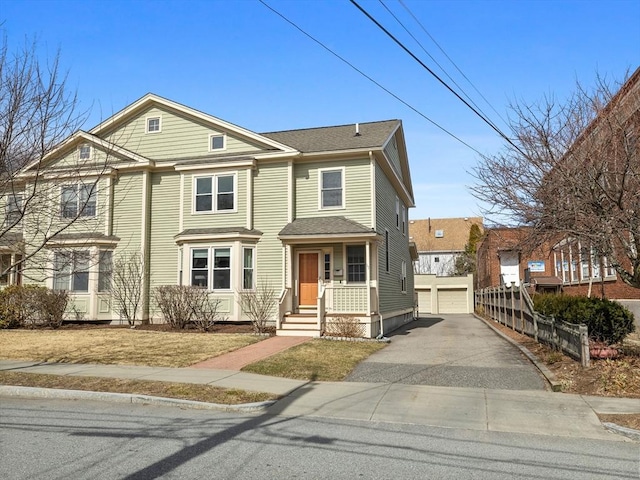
239, 61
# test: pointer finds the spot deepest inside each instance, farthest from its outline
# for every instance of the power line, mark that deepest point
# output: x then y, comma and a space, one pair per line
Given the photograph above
450, 60
435, 75
432, 58
368, 77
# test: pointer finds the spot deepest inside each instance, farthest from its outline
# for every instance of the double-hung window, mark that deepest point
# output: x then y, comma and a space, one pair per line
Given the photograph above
105, 271
403, 277
216, 193
356, 264
13, 210
248, 268
211, 266
78, 200
84, 152
71, 271
332, 188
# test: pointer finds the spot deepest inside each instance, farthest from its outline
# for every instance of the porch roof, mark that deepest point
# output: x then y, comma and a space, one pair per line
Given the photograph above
325, 227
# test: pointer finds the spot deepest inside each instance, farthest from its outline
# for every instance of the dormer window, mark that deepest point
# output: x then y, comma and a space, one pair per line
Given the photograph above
217, 142
85, 151
153, 124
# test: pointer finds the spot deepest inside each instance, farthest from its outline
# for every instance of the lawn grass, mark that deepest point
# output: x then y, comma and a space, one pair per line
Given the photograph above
185, 391
322, 360
119, 346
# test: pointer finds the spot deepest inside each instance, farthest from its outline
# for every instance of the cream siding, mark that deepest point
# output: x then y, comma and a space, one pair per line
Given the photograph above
391, 151
270, 216
180, 137
357, 186
164, 225
391, 297
127, 209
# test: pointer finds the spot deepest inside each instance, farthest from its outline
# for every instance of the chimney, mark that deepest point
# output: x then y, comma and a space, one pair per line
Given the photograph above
357, 130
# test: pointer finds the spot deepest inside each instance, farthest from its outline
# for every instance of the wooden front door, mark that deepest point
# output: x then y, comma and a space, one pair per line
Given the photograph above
308, 273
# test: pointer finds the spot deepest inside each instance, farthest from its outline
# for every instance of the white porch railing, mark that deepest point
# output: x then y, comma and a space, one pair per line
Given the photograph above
348, 299
284, 305
321, 307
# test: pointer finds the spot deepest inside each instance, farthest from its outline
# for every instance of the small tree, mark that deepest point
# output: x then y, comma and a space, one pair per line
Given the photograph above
259, 304
466, 262
127, 280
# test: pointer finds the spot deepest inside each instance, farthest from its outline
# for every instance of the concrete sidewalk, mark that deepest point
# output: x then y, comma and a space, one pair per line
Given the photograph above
535, 412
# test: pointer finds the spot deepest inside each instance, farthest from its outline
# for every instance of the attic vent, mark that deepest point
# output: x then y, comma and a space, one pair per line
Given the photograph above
439, 233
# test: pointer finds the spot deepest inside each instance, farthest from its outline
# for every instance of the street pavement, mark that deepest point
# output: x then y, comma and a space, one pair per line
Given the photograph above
402, 386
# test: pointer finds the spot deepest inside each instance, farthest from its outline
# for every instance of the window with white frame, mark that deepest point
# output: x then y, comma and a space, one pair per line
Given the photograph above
211, 268
13, 209
215, 193
105, 271
404, 220
397, 213
356, 265
403, 277
217, 142
84, 151
71, 271
332, 188
584, 263
386, 250
154, 124
248, 268
78, 200
327, 266
595, 264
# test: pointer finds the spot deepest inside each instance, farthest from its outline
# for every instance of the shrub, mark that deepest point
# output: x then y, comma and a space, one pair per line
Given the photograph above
182, 305
345, 326
608, 321
259, 305
32, 306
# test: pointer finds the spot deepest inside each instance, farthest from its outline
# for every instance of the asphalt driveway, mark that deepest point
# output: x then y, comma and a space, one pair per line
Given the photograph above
450, 351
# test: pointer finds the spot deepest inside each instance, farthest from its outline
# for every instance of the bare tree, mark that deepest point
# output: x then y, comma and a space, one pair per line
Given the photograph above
259, 304
573, 171
127, 279
38, 114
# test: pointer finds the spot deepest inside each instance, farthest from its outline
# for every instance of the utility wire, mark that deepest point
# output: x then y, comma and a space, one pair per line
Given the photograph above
369, 78
435, 75
450, 60
433, 59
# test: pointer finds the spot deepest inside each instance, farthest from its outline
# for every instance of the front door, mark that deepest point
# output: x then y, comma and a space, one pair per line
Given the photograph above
308, 278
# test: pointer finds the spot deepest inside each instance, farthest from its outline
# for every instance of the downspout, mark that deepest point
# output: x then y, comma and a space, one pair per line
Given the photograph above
144, 245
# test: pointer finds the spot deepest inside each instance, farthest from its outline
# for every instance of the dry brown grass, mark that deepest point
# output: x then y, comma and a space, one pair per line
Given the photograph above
120, 346
185, 391
322, 360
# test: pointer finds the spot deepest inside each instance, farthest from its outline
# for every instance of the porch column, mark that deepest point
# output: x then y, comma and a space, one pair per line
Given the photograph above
368, 275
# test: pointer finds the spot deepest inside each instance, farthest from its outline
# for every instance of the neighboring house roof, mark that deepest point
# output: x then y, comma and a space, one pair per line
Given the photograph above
341, 137
324, 226
442, 234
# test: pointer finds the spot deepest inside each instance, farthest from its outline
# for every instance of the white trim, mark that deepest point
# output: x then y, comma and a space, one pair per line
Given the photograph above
108, 210
211, 248
253, 267
342, 170
181, 202
208, 237
236, 164
372, 190
224, 142
146, 123
249, 199
290, 191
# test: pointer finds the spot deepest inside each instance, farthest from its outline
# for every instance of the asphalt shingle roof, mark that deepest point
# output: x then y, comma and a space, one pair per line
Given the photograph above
218, 231
455, 233
342, 137
324, 226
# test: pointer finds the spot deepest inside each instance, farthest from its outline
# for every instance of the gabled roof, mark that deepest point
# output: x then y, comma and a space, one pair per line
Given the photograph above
83, 137
150, 100
341, 137
442, 234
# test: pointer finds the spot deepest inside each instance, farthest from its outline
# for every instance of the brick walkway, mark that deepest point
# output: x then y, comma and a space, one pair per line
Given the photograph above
252, 353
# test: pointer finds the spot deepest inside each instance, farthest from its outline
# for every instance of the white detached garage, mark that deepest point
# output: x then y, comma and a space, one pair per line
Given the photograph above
438, 295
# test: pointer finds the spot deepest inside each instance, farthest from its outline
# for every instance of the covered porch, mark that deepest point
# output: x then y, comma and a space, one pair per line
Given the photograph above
331, 271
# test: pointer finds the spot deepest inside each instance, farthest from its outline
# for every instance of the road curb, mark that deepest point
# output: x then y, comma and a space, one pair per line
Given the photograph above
556, 386
627, 432
34, 392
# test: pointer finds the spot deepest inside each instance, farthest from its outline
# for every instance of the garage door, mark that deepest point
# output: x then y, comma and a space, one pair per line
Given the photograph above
452, 301
424, 301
